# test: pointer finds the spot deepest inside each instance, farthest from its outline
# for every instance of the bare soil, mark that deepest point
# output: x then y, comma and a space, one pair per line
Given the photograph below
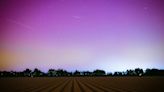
83, 84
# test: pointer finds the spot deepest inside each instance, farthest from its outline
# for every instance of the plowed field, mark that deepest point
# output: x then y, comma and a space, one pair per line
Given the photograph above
83, 84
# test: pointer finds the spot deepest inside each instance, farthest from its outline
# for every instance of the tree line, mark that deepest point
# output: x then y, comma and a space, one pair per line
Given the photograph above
61, 73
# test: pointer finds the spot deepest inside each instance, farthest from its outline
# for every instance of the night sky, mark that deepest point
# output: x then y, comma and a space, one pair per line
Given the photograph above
113, 35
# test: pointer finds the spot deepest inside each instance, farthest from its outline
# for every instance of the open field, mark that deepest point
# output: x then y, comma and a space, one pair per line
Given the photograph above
83, 84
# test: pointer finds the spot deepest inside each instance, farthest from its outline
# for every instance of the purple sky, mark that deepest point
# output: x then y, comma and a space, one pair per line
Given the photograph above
81, 34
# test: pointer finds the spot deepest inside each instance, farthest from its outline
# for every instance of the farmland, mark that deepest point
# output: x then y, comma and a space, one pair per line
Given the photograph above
82, 84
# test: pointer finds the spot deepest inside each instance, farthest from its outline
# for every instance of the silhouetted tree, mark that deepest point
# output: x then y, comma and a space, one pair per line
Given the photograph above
37, 73
1, 74
27, 72
52, 72
109, 74
98, 72
5, 74
161, 72
118, 74
138, 72
61, 72
86, 73
130, 72
69, 73
76, 73
154, 72
65, 73
151, 72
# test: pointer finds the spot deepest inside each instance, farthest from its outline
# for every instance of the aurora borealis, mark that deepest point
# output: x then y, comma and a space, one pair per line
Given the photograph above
113, 35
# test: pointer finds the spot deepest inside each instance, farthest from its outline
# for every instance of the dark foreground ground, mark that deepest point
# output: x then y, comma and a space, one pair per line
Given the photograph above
83, 84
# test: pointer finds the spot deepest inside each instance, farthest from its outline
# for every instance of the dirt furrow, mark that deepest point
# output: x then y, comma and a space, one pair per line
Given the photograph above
61, 87
102, 88
41, 87
76, 87
109, 87
47, 86
83, 87
72, 88
68, 87
93, 87
82, 84
55, 85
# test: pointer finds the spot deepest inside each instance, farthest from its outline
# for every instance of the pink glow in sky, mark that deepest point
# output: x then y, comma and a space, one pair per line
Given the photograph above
81, 34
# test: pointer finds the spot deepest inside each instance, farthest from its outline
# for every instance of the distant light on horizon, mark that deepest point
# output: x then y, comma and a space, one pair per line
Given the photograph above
81, 35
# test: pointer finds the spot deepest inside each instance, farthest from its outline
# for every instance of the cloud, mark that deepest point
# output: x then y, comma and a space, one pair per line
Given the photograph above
20, 24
